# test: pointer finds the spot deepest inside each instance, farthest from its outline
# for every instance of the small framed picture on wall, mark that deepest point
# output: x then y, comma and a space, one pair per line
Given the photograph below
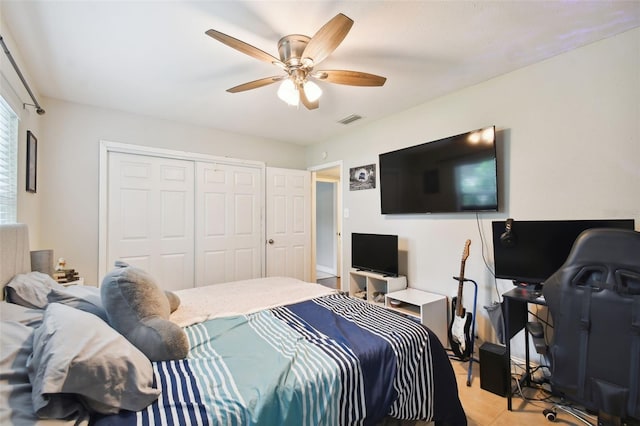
32, 161
363, 177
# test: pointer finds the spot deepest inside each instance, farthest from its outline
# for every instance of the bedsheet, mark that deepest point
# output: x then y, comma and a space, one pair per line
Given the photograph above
242, 297
332, 360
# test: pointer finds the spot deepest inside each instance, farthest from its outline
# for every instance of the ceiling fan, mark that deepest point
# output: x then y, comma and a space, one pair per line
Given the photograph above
299, 55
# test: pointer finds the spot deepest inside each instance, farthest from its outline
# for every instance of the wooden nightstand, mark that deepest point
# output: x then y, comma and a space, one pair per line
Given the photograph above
79, 281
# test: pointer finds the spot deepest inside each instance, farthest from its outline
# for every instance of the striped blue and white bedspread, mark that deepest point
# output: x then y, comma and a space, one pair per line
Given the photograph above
330, 361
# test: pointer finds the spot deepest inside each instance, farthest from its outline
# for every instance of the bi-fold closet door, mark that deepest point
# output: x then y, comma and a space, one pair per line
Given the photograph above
229, 235
188, 223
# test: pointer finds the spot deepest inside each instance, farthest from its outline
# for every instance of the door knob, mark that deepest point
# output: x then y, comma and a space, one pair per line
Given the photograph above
270, 241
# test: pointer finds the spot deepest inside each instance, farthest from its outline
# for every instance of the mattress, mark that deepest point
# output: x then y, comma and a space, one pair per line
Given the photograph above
263, 352
332, 360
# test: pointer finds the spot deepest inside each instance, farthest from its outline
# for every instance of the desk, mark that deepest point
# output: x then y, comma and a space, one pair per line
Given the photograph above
516, 310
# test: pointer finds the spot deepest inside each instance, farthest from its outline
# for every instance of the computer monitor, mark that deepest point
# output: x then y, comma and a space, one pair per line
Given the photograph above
531, 251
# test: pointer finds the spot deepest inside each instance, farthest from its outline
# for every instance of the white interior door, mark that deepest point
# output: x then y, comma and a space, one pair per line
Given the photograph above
229, 232
150, 216
288, 223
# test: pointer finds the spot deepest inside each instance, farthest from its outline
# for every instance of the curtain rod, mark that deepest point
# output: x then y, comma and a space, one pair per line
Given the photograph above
39, 109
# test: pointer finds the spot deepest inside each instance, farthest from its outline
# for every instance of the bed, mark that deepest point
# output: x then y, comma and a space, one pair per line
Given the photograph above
273, 351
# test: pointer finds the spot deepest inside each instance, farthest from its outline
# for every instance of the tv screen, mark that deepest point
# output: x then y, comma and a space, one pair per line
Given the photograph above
454, 174
375, 253
539, 248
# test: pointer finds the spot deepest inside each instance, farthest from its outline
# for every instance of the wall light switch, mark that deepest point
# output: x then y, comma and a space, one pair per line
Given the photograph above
345, 214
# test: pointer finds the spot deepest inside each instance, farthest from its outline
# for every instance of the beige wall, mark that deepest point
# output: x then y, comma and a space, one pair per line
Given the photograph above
70, 168
569, 149
13, 91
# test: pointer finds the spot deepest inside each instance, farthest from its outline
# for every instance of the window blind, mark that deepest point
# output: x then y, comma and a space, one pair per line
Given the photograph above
8, 163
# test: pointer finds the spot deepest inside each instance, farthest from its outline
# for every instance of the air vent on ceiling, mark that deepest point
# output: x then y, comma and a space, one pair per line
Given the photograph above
350, 119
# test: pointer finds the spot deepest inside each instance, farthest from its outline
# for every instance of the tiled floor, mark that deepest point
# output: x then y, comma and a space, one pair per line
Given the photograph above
331, 282
484, 408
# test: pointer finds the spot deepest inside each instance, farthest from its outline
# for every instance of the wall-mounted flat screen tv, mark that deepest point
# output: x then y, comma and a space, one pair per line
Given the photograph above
538, 248
454, 174
375, 253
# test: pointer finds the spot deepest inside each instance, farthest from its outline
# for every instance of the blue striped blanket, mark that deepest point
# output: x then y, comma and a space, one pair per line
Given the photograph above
330, 361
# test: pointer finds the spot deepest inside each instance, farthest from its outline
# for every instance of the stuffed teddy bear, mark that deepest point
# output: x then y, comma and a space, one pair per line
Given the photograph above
139, 310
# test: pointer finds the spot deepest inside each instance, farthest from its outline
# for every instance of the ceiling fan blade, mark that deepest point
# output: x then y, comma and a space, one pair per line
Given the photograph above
327, 38
244, 47
255, 84
350, 78
305, 101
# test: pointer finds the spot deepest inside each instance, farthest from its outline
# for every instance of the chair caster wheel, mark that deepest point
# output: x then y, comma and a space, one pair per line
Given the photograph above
550, 415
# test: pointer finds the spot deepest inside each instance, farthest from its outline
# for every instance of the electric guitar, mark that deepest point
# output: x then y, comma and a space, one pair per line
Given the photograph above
459, 335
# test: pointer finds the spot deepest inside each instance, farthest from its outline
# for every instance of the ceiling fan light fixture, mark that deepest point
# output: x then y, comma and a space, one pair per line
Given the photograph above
288, 92
312, 90
299, 54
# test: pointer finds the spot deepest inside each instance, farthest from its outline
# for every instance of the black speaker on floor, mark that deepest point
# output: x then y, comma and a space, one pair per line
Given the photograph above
494, 368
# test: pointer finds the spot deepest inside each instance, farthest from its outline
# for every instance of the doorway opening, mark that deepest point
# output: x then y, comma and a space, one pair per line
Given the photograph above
326, 227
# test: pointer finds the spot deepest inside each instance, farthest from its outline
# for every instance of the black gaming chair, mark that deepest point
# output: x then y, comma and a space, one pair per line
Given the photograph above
594, 301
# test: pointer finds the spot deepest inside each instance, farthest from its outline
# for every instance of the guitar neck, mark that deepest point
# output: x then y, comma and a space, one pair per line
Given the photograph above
459, 308
465, 254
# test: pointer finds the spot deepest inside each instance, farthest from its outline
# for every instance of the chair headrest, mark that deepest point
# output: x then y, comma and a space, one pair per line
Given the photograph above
607, 246
602, 259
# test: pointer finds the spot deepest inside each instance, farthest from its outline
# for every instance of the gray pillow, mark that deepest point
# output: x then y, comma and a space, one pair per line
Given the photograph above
31, 290
36, 290
16, 343
139, 310
20, 314
79, 361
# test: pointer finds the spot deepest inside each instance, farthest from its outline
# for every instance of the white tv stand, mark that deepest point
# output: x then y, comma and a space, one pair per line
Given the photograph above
429, 308
366, 285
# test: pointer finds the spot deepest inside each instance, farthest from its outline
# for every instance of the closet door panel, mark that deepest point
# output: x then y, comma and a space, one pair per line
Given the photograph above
229, 240
247, 256
150, 216
214, 265
215, 216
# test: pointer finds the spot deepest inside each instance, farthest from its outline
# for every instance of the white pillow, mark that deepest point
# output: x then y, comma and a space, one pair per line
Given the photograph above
78, 360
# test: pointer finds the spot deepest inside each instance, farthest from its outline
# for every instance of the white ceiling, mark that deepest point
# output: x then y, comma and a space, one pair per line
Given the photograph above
153, 57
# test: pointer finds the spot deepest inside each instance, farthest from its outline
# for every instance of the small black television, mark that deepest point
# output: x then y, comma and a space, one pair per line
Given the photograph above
535, 249
454, 174
375, 253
